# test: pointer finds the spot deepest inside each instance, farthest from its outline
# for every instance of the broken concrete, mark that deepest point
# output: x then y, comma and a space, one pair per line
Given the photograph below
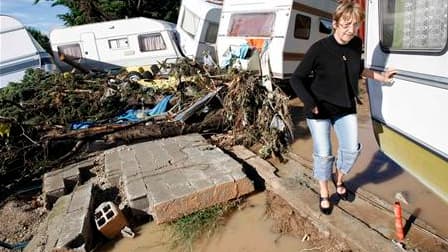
60, 182
68, 224
173, 177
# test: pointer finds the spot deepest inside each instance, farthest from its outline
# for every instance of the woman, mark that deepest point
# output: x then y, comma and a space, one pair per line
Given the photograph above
335, 66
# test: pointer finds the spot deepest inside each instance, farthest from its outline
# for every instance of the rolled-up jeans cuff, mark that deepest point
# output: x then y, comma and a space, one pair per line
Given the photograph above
346, 159
323, 167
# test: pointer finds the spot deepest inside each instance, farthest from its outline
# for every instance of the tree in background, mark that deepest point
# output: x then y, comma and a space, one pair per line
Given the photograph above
92, 11
41, 38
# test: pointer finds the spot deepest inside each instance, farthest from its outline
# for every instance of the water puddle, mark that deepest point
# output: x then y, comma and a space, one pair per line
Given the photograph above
246, 230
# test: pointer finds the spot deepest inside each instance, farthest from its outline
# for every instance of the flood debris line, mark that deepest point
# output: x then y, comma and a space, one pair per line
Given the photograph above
48, 120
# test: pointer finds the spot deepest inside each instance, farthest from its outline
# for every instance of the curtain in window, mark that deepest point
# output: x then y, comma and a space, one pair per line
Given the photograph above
253, 25
151, 42
190, 22
416, 24
71, 51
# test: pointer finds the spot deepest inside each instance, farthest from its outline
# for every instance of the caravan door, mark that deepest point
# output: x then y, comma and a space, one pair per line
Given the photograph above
90, 50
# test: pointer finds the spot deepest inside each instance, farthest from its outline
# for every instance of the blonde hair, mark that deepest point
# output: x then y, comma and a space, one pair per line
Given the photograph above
348, 10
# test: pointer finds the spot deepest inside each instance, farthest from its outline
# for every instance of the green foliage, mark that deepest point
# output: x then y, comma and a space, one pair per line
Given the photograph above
191, 228
41, 38
92, 11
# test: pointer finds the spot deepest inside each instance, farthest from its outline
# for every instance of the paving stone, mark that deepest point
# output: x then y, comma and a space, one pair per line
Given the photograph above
53, 187
171, 177
242, 152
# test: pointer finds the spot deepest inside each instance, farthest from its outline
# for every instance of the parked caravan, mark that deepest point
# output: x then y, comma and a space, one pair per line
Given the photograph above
19, 51
130, 43
197, 27
409, 116
282, 30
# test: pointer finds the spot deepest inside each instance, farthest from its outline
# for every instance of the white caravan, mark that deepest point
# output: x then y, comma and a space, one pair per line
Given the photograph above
410, 116
281, 29
197, 27
19, 51
128, 43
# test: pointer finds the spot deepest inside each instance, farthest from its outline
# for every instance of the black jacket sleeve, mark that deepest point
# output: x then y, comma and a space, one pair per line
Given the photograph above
300, 80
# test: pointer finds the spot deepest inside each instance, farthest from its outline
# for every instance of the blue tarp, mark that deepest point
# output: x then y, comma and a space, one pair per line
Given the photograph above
130, 115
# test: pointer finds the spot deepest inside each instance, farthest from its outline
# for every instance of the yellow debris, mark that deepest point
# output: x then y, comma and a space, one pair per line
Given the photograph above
5, 129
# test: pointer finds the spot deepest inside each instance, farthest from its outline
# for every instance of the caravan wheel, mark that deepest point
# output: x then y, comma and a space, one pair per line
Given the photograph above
134, 76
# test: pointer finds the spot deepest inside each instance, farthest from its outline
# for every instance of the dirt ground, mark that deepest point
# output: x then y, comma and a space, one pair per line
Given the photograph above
20, 217
288, 221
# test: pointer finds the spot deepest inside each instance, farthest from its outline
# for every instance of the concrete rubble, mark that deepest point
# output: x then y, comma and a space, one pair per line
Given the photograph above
173, 177
60, 182
166, 178
68, 225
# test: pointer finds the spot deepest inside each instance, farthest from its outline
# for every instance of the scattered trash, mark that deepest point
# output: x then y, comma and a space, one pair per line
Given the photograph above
110, 221
306, 237
399, 245
402, 196
127, 232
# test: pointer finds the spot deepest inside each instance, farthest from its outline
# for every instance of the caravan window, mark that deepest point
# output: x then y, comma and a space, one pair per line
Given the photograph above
212, 32
72, 51
325, 26
419, 25
120, 43
302, 27
151, 42
251, 25
190, 23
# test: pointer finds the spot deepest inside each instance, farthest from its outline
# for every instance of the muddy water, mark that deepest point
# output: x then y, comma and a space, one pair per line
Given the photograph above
246, 230
377, 174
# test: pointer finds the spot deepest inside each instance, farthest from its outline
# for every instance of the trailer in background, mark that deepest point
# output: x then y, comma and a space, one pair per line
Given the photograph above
197, 27
126, 43
280, 31
19, 51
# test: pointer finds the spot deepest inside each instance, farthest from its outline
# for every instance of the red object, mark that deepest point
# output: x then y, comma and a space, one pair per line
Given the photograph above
362, 28
398, 222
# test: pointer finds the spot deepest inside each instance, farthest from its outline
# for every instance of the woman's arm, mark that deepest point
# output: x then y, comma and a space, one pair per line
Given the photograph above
384, 77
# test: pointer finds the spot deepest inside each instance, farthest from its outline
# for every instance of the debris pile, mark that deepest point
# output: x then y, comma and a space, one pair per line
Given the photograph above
47, 118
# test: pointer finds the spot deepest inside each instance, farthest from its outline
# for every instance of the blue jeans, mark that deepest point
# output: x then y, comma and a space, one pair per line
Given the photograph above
346, 129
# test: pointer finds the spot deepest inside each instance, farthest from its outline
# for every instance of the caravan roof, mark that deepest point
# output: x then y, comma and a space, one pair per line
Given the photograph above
9, 24
204, 9
111, 28
15, 42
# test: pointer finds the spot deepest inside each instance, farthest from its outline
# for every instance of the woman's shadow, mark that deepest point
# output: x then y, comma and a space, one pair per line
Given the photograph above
381, 168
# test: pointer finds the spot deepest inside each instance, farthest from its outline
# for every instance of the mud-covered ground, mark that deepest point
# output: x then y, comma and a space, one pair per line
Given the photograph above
20, 217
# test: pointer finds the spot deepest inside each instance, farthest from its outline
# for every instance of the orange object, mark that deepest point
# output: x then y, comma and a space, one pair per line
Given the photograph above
109, 219
256, 43
398, 222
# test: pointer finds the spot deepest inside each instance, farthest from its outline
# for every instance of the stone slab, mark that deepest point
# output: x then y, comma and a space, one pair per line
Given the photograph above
171, 177
67, 225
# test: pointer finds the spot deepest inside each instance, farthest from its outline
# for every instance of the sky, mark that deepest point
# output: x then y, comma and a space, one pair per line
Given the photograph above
41, 16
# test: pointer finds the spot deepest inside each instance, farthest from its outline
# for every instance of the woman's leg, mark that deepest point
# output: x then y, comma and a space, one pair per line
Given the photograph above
346, 129
322, 157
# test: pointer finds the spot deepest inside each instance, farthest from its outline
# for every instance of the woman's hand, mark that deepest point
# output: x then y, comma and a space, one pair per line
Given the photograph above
388, 75
315, 110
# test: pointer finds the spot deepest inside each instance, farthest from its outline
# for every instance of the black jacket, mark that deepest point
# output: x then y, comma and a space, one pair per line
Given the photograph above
335, 68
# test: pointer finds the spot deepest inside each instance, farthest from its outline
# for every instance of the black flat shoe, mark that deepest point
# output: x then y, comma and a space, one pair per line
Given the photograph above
325, 210
342, 196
